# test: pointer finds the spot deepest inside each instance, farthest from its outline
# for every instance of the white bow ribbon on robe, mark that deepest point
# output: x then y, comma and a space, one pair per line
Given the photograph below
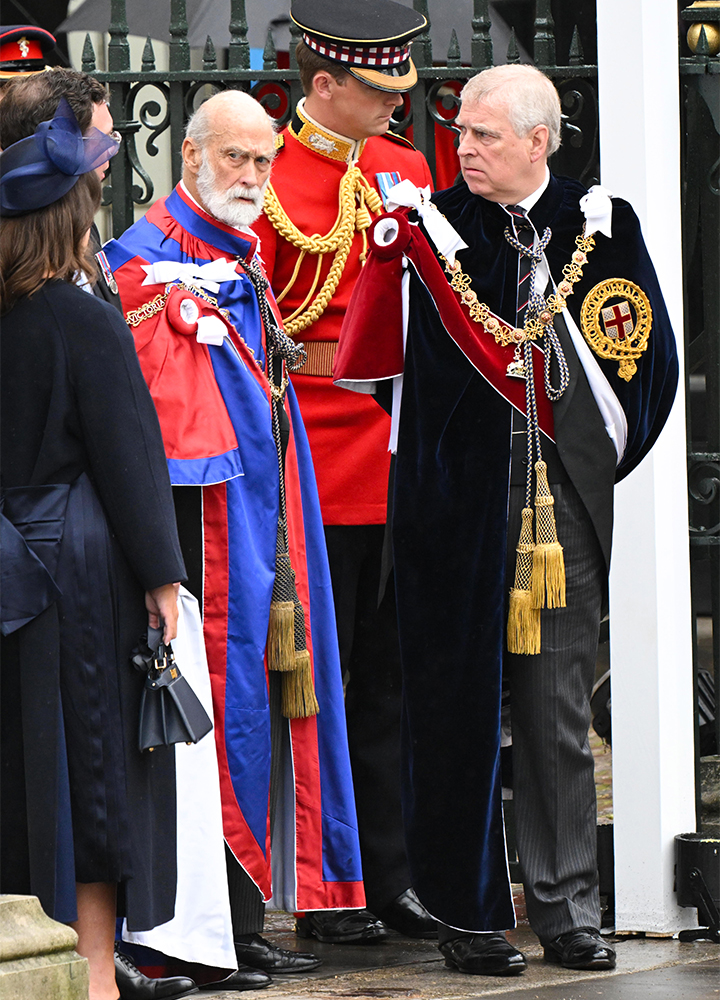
208, 276
597, 209
407, 195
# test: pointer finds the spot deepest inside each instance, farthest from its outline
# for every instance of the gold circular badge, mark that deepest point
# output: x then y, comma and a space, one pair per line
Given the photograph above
616, 320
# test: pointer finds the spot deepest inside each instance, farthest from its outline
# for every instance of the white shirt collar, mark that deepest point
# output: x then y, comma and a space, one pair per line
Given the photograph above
534, 198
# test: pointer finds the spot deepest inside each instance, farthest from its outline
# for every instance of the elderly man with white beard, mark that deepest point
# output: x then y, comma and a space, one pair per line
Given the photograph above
212, 349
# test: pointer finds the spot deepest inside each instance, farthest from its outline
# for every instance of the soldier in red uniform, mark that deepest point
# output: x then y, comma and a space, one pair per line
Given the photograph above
336, 161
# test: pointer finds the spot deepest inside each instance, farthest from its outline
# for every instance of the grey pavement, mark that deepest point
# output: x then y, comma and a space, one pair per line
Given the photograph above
647, 969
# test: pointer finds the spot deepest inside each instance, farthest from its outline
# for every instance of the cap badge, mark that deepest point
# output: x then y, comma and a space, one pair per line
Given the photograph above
24, 47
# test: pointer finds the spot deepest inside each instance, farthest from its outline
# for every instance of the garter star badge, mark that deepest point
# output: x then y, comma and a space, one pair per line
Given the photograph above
616, 320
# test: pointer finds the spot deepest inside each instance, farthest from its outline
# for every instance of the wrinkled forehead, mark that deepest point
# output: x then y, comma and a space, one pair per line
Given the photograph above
251, 135
490, 110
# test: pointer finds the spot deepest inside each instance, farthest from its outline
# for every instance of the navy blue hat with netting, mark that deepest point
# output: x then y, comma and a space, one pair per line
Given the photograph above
40, 169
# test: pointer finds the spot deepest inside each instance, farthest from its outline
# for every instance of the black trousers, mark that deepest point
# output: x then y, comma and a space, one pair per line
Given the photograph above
553, 768
370, 658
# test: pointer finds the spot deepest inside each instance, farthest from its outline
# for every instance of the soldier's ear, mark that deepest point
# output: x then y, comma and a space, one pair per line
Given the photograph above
323, 84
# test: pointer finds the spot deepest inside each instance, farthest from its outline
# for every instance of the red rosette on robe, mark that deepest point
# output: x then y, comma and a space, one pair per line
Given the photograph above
179, 373
371, 345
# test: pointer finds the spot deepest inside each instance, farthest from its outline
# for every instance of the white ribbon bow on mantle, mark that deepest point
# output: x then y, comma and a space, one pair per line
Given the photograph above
208, 276
407, 195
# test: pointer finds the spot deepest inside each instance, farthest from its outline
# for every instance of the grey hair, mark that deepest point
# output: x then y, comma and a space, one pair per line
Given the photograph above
200, 127
529, 97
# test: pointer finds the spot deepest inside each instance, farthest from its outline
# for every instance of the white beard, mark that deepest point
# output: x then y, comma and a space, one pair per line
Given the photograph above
238, 206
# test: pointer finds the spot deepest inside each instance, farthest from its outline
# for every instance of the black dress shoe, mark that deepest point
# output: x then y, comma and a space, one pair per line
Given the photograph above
341, 927
258, 953
483, 955
408, 916
582, 948
244, 979
133, 985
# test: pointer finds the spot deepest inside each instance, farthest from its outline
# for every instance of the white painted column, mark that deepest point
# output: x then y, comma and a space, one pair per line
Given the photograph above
651, 657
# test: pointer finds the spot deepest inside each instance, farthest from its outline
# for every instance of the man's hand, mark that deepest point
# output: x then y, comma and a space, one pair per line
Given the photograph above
162, 607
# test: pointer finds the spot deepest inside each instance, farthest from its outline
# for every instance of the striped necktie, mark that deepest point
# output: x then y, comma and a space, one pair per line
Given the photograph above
525, 235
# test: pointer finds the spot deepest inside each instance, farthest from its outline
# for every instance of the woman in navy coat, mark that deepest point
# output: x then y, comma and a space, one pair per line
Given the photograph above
90, 553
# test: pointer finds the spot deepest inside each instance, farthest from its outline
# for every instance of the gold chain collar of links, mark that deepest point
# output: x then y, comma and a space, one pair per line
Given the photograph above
136, 316
533, 327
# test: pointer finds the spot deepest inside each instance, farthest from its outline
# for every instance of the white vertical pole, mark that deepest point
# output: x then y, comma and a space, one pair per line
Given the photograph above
651, 657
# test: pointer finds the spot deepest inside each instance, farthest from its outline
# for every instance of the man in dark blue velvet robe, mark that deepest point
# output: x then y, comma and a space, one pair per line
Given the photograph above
604, 372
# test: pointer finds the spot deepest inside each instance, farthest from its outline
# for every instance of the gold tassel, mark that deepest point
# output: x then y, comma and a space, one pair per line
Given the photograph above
523, 631
298, 699
548, 578
281, 636
523, 628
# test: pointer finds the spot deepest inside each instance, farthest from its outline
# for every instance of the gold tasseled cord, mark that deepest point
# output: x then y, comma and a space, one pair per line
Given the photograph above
523, 627
356, 197
548, 577
281, 636
298, 700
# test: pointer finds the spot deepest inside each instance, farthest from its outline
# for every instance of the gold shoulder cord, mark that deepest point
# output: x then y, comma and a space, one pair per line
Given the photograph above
356, 200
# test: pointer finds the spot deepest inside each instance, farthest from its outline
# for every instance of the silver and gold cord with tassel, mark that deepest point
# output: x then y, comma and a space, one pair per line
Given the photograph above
287, 650
540, 564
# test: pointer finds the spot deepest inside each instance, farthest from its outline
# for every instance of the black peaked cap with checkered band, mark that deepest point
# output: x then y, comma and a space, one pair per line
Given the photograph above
368, 38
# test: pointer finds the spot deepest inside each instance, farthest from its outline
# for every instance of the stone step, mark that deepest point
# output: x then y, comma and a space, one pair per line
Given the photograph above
38, 960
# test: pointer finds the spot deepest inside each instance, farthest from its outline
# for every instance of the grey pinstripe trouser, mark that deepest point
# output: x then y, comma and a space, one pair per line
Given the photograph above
553, 774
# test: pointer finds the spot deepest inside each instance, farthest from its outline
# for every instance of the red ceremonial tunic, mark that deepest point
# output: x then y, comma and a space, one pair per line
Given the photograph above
348, 432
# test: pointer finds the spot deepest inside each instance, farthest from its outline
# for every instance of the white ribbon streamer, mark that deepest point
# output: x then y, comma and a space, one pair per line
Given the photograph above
208, 276
201, 930
211, 330
597, 209
397, 382
407, 195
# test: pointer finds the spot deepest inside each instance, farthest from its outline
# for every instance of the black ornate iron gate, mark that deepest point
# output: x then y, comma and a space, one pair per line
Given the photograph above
146, 103
700, 115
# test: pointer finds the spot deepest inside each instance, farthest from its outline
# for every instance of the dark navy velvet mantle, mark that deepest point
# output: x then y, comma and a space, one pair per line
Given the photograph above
449, 535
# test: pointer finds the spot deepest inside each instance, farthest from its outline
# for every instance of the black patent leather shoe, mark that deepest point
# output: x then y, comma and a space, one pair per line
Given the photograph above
258, 953
582, 948
408, 916
244, 978
133, 985
342, 927
483, 955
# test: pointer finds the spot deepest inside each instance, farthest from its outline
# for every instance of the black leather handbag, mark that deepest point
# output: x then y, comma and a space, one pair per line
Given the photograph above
170, 711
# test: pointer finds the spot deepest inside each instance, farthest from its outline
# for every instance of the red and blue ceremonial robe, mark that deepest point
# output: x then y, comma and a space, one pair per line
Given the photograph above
214, 405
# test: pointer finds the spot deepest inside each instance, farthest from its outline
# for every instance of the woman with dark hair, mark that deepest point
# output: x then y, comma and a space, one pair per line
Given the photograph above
90, 555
